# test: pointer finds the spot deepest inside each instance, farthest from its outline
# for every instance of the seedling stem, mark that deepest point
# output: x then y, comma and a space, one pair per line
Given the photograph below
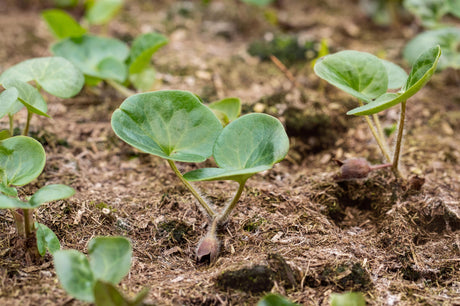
27, 226
228, 209
29, 117
402, 117
11, 125
120, 88
203, 203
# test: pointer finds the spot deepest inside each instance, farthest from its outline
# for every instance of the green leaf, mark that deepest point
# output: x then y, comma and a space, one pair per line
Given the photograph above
61, 24
348, 299
144, 46
250, 144
9, 191
275, 300
9, 104
102, 11
258, 2
55, 75
74, 273
65, 3
22, 159
397, 77
420, 74
360, 74
7, 202
429, 12
447, 38
226, 110
93, 55
46, 239
454, 7
171, 124
28, 96
110, 258
143, 81
51, 193
107, 294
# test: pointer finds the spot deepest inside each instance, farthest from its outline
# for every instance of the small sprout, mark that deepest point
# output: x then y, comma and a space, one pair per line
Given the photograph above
100, 12
347, 299
357, 168
208, 248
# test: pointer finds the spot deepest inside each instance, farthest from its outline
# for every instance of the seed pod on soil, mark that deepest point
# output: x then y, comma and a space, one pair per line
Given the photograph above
208, 249
357, 168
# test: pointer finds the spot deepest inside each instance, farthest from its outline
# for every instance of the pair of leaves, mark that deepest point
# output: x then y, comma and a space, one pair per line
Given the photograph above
447, 38
111, 59
368, 78
175, 125
109, 260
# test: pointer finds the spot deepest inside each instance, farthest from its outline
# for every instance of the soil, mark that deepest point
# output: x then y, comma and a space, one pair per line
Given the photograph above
296, 230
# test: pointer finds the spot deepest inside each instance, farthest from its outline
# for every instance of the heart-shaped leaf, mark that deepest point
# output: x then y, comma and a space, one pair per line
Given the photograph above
93, 55
28, 96
50, 193
110, 258
172, 124
144, 46
7, 202
102, 11
46, 239
9, 104
397, 77
22, 159
61, 24
420, 74
55, 75
74, 273
447, 38
226, 110
250, 144
360, 74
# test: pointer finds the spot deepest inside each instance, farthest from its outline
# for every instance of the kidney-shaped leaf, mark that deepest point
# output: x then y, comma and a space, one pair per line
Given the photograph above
55, 75
447, 38
28, 96
172, 124
22, 159
46, 239
9, 104
360, 74
420, 74
90, 54
61, 24
51, 193
74, 273
110, 258
250, 144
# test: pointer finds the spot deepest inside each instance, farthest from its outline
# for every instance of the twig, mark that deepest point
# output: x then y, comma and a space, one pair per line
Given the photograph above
286, 71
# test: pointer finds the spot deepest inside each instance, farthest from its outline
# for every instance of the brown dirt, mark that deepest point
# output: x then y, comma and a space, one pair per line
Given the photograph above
305, 234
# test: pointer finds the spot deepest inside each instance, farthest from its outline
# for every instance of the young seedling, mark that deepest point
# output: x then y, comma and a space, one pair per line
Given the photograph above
227, 110
95, 278
368, 78
22, 159
176, 126
431, 12
102, 58
55, 75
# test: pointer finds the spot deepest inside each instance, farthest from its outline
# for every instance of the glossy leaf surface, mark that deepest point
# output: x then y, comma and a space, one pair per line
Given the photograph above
74, 273
250, 144
56, 75
22, 159
98, 57
51, 193
360, 74
447, 38
420, 74
61, 24
46, 239
110, 258
171, 124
